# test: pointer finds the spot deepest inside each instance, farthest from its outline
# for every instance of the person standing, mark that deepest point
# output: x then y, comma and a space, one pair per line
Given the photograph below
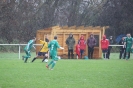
104, 46
129, 45
44, 49
53, 45
27, 50
82, 45
110, 47
77, 50
70, 41
122, 49
91, 42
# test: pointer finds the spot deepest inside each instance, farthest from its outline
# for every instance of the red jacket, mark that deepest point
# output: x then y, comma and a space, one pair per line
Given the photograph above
104, 43
77, 50
82, 43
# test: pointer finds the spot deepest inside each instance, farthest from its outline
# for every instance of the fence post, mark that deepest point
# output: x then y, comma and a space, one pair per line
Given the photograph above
19, 51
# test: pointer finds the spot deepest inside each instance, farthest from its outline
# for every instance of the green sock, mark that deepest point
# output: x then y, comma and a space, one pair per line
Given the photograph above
126, 56
53, 65
50, 62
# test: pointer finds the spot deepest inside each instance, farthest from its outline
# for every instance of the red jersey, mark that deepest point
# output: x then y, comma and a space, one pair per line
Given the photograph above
82, 43
104, 43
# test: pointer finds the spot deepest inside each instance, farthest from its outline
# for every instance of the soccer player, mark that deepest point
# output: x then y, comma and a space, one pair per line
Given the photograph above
129, 45
53, 45
44, 50
104, 46
27, 49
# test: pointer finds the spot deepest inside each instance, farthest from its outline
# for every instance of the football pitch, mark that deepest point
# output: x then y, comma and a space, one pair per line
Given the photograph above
72, 73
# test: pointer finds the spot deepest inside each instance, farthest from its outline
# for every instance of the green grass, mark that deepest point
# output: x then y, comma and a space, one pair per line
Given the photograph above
113, 73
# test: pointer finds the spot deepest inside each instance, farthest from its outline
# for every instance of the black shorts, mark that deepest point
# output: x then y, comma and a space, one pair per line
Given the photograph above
42, 53
105, 50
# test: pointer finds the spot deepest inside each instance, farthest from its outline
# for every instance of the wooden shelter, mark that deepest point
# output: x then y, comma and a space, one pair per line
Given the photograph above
63, 33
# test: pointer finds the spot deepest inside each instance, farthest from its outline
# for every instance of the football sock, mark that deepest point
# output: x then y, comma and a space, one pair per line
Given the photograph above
50, 62
44, 59
53, 65
25, 60
33, 59
126, 56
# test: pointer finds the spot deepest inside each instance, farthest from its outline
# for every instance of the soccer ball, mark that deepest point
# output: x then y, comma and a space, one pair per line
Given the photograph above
46, 60
59, 57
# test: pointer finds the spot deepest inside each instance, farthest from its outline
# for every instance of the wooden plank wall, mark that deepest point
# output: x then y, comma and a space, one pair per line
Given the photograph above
63, 33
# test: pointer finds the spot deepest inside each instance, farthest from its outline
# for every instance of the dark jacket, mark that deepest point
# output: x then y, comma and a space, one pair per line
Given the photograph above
91, 42
70, 41
121, 43
110, 42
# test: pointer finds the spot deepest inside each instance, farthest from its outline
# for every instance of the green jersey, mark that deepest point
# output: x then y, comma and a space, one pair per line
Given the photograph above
53, 45
29, 45
129, 42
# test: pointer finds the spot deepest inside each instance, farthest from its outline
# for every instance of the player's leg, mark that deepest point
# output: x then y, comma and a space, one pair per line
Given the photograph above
127, 53
25, 61
50, 61
53, 64
45, 56
39, 54
28, 56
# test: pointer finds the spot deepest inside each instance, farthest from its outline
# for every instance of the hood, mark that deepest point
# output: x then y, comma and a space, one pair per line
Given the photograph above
91, 35
104, 37
70, 36
82, 37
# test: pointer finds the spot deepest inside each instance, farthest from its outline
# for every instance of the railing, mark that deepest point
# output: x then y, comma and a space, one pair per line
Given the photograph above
18, 45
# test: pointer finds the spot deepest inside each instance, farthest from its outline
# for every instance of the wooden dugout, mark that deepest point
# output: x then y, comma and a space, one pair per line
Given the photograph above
63, 32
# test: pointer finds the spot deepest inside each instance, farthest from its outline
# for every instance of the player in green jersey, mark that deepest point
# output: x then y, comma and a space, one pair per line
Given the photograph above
53, 45
27, 49
129, 44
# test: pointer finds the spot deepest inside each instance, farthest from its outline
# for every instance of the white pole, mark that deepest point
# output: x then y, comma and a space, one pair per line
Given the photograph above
19, 51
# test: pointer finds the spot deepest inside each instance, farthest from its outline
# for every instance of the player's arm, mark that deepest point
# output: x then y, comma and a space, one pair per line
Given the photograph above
132, 43
57, 44
34, 47
124, 43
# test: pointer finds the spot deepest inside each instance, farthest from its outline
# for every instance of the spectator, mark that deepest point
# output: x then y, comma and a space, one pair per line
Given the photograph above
82, 44
70, 41
91, 42
122, 49
104, 46
77, 50
110, 47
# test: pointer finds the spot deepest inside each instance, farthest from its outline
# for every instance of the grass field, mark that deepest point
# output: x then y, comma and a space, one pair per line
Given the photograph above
113, 73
